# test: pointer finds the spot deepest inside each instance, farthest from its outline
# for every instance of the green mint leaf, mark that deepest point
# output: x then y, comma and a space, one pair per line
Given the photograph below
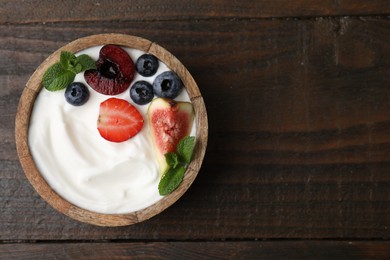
76, 68
172, 159
86, 62
178, 162
67, 60
56, 77
62, 73
185, 148
171, 180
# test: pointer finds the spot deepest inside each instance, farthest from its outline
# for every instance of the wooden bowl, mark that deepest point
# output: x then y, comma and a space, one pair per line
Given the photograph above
25, 107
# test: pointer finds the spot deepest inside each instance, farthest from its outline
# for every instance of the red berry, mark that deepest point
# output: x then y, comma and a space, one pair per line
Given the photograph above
118, 120
115, 71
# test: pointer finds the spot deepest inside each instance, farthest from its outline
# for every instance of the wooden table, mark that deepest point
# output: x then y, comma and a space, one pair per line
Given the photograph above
298, 99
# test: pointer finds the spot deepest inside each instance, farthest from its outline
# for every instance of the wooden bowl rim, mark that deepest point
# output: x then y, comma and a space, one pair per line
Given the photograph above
26, 104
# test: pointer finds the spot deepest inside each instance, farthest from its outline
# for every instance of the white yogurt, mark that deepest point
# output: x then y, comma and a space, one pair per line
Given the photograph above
84, 168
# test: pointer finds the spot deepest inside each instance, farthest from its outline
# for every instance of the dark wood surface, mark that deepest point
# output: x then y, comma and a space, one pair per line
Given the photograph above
298, 100
202, 250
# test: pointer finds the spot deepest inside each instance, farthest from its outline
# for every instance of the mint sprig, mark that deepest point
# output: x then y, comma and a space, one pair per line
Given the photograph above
185, 148
171, 180
177, 165
172, 159
61, 74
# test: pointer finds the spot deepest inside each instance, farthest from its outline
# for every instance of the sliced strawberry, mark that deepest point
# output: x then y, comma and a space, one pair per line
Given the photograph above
118, 120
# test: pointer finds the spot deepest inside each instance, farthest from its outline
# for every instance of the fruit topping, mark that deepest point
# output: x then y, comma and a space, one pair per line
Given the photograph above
141, 92
147, 65
76, 94
114, 73
167, 85
118, 120
61, 74
177, 165
170, 121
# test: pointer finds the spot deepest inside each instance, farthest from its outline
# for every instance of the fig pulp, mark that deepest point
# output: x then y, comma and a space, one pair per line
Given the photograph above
170, 121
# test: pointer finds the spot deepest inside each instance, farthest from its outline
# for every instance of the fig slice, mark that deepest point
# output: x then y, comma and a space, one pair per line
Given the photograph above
170, 121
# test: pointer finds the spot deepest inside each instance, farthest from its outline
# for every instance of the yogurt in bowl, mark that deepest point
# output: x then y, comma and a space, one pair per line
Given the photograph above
83, 175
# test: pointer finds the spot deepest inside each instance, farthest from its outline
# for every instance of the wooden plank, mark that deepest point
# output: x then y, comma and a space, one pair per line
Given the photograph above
299, 122
76, 11
201, 250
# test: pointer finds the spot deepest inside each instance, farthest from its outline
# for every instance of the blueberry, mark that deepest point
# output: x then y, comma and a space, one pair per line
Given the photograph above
167, 85
147, 65
76, 94
141, 92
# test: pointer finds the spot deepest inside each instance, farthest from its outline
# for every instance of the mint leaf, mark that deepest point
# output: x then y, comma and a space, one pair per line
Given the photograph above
178, 163
62, 73
86, 62
185, 148
76, 64
171, 180
67, 60
56, 77
172, 159
76, 68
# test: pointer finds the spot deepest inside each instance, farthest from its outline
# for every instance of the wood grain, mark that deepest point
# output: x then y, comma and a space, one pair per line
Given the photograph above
297, 95
299, 117
50, 11
202, 250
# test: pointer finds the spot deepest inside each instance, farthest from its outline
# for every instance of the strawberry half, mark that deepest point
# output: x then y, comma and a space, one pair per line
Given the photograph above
118, 120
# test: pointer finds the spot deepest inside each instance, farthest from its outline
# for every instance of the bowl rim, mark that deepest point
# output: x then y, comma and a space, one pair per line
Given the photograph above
26, 103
